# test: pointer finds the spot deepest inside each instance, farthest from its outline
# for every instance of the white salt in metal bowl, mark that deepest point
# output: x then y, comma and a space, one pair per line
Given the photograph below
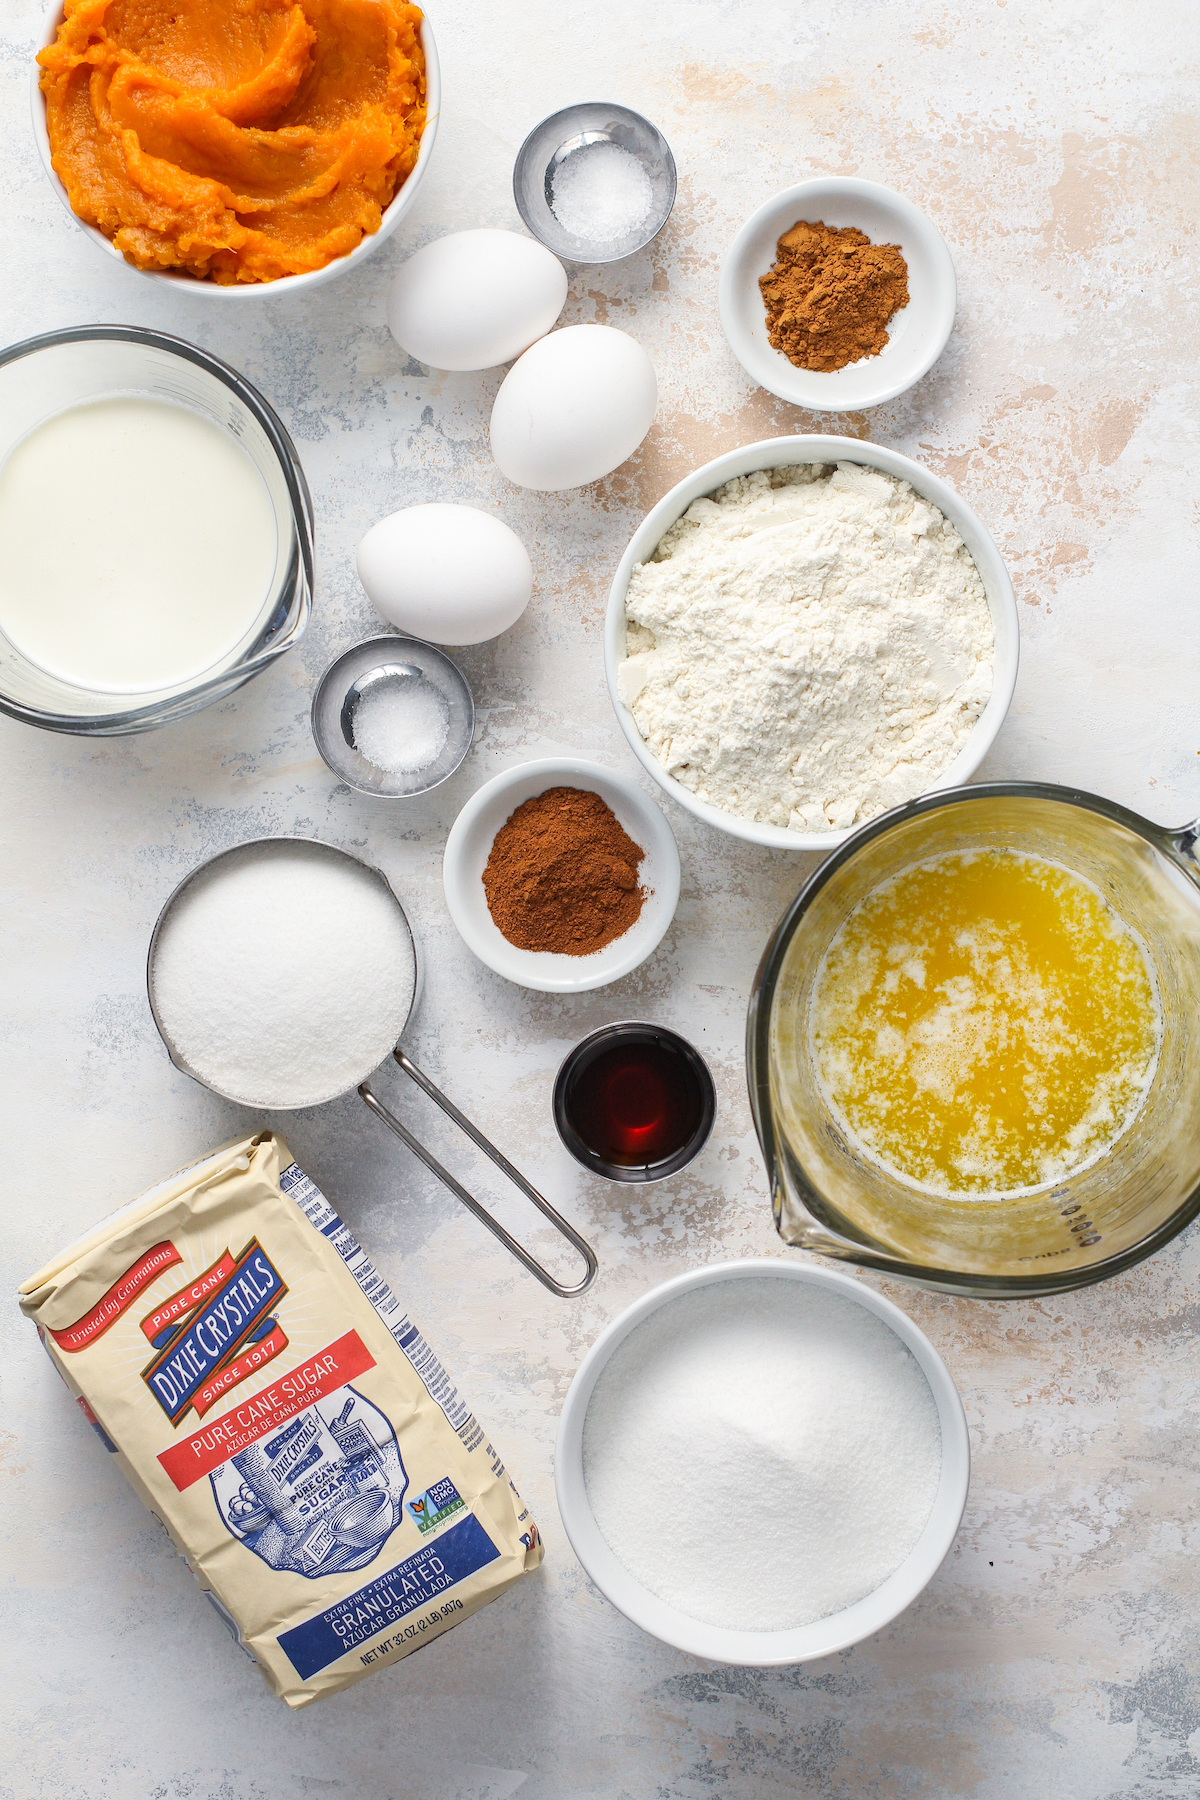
558, 137
783, 452
469, 846
401, 203
389, 657
916, 336
762, 1649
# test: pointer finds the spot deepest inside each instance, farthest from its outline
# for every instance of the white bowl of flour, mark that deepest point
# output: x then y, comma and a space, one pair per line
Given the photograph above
762, 1462
827, 632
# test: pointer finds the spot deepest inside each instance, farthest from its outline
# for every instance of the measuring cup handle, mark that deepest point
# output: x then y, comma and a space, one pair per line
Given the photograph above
1184, 845
1184, 839
502, 1163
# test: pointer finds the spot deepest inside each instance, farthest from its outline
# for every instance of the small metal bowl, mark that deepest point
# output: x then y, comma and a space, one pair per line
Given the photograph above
613, 1037
380, 659
550, 143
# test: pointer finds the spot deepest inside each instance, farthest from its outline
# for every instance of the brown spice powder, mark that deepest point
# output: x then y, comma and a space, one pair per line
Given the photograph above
830, 295
563, 874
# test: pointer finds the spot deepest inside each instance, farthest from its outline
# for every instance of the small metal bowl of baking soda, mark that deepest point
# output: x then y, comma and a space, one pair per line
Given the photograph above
595, 183
393, 717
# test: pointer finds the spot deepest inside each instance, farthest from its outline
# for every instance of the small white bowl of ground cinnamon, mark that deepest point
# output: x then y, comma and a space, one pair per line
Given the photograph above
561, 875
837, 295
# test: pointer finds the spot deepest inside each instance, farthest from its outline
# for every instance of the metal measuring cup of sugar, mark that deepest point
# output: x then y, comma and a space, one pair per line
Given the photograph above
403, 1061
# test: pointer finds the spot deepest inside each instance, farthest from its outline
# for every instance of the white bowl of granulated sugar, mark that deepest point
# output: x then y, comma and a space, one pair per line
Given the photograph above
806, 633
762, 1462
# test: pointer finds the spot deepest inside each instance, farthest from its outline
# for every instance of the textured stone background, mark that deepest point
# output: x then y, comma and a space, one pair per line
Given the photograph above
1057, 1650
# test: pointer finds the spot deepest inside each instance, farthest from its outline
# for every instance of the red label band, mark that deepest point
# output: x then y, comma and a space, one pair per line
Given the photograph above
120, 1295
173, 1309
200, 1452
248, 1363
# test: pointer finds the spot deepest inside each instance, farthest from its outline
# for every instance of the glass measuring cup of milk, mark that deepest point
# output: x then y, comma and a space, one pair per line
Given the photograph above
44, 379
1094, 1222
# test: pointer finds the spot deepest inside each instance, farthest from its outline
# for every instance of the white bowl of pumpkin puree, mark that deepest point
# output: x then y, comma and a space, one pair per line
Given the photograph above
237, 146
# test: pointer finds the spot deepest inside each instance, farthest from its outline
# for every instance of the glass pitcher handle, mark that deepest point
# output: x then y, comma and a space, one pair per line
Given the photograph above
1182, 844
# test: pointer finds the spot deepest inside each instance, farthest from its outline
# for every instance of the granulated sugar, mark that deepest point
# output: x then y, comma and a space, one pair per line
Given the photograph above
401, 726
283, 976
761, 1453
601, 193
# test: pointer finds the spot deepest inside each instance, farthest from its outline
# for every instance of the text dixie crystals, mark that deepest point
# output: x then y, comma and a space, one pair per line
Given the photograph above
229, 1320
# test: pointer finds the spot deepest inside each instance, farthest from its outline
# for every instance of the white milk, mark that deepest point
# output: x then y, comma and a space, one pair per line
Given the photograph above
137, 545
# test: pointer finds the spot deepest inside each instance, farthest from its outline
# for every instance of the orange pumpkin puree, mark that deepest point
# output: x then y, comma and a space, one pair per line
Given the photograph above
234, 140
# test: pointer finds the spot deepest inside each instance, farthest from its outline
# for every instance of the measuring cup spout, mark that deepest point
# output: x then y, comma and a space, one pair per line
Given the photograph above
502, 1163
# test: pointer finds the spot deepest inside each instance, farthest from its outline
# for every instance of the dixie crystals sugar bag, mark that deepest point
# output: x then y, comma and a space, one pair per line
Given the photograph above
274, 1407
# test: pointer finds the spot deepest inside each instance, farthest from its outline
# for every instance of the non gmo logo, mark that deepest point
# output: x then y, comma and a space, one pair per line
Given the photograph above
437, 1503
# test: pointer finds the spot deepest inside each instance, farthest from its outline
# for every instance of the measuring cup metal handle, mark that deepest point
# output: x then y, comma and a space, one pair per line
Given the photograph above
469, 1201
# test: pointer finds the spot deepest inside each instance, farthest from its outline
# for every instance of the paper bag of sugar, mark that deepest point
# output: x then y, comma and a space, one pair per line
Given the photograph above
275, 1408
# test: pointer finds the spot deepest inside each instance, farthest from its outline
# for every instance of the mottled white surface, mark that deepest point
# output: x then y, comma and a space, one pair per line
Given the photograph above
1057, 1651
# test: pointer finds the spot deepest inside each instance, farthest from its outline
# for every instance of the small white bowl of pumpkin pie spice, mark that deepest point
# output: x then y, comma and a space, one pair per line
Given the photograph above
561, 875
837, 294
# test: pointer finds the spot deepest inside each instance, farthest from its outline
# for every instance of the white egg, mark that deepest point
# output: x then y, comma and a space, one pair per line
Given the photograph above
449, 574
475, 299
573, 408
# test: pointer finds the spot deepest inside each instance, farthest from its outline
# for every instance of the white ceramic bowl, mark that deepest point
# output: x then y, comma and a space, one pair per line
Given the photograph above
774, 453
916, 337
287, 284
470, 843
763, 1649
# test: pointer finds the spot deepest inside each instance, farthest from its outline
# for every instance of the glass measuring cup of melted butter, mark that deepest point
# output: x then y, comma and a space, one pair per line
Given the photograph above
971, 1047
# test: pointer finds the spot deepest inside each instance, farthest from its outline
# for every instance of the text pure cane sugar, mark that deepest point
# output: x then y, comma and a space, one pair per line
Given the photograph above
272, 1404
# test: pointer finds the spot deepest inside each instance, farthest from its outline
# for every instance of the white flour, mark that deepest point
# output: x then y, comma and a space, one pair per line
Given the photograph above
808, 648
761, 1455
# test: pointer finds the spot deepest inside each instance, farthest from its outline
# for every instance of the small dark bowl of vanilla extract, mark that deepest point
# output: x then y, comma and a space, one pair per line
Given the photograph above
634, 1102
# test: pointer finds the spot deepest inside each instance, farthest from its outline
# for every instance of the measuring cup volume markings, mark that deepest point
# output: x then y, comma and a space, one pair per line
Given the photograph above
228, 859
1099, 1219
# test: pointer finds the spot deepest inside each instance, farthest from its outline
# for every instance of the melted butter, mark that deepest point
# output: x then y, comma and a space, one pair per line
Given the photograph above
984, 1022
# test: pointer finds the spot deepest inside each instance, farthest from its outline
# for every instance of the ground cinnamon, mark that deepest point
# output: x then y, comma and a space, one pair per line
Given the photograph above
830, 295
563, 874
